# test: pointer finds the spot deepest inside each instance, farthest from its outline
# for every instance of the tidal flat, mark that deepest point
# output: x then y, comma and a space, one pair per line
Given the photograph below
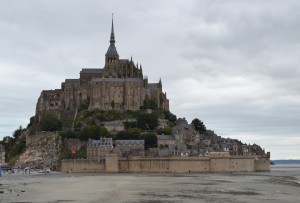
282, 184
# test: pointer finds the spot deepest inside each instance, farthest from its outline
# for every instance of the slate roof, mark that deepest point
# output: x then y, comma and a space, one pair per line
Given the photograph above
91, 70
102, 142
179, 147
112, 50
130, 142
72, 80
164, 137
113, 123
152, 85
123, 61
116, 79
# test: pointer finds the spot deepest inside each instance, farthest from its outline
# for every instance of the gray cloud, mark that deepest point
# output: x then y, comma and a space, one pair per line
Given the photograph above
233, 64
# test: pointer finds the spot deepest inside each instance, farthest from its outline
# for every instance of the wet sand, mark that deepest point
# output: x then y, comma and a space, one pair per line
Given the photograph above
280, 185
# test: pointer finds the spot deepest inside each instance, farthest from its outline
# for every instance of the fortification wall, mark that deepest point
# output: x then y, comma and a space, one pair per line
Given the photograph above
164, 165
112, 163
82, 166
215, 163
241, 164
262, 164
223, 164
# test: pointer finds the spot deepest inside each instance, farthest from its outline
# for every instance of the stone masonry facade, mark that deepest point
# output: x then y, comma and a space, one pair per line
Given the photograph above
120, 85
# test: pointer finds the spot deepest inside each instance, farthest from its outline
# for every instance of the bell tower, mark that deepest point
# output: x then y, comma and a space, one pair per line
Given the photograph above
111, 56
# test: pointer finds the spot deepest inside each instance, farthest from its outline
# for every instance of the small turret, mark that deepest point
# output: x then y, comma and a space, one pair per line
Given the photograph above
159, 83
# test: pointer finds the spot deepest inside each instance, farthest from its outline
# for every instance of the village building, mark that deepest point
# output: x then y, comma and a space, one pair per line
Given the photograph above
131, 147
98, 149
114, 127
179, 150
164, 141
183, 132
246, 150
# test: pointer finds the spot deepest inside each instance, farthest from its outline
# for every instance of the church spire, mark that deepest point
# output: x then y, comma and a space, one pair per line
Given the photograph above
112, 50
112, 34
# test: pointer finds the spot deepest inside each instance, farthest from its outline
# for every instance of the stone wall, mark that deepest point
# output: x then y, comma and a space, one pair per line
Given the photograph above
217, 162
82, 166
241, 164
112, 163
75, 144
262, 164
223, 164
164, 165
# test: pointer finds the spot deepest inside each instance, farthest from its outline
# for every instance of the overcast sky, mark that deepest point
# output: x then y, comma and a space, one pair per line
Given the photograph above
233, 64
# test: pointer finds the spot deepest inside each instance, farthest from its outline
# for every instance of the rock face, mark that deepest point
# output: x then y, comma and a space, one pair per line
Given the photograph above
43, 151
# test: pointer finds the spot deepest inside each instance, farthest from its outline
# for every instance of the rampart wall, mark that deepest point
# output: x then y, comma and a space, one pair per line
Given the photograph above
163, 165
82, 166
213, 164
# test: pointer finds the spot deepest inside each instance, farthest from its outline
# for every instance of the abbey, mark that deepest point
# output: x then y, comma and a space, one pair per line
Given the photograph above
120, 85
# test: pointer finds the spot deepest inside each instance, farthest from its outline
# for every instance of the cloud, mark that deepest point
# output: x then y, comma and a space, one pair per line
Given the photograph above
233, 64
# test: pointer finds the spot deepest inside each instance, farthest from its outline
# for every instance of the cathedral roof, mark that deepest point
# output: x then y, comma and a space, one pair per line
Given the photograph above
72, 80
112, 50
123, 61
91, 70
116, 79
153, 85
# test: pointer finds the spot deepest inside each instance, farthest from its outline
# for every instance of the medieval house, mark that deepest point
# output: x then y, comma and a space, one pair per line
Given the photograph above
98, 149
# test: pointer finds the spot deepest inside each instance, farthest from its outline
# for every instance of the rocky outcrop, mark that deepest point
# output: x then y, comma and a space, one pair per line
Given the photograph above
45, 149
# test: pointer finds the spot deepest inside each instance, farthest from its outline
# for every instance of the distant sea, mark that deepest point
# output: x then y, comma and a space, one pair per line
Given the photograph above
286, 161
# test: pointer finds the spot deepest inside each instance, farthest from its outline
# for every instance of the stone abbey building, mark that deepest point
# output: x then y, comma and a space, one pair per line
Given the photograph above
120, 85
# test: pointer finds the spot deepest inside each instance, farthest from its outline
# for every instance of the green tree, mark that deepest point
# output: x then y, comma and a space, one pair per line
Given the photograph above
50, 123
171, 117
123, 135
69, 134
14, 145
135, 133
166, 130
150, 140
93, 132
17, 133
199, 125
147, 121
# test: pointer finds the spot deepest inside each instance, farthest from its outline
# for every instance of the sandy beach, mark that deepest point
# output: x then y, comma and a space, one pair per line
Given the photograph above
280, 185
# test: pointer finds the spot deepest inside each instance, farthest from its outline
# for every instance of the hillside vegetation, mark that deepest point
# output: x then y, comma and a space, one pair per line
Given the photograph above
141, 124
